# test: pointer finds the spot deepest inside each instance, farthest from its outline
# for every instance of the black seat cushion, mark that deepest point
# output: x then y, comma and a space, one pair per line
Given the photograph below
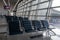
45, 23
25, 18
9, 18
20, 19
14, 28
27, 26
13, 24
36, 24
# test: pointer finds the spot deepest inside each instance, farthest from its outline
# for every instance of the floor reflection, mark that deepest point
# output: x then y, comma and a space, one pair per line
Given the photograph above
57, 32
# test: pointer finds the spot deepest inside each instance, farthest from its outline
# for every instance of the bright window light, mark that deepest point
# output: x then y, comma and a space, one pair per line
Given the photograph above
56, 3
11, 13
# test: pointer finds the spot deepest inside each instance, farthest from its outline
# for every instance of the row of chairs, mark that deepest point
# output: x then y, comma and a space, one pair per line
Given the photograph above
16, 23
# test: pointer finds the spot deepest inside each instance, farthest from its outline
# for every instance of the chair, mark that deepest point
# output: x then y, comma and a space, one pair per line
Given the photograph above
45, 24
37, 25
13, 24
27, 25
9, 18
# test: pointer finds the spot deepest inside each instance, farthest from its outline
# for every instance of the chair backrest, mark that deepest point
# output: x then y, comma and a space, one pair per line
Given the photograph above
20, 19
27, 25
9, 18
36, 24
13, 25
25, 18
45, 23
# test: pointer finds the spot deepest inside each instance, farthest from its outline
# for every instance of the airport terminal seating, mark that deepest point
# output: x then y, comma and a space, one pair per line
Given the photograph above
45, 24
40, 25
21, 20
13, 24
27, 25
37, 25
14, 28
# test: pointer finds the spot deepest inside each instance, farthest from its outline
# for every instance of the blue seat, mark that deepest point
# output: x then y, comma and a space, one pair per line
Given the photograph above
27, 26
36, 24
21, 20
14, 26
45, 24
25, 18
9, 18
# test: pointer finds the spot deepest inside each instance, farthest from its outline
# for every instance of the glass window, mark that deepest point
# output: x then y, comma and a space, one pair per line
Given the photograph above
41, 18
56, 3
42, 0
34, 7
35, 2
44, 5
41, 12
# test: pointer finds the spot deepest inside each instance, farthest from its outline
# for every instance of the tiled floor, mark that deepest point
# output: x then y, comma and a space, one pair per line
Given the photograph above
56, 37
57, 32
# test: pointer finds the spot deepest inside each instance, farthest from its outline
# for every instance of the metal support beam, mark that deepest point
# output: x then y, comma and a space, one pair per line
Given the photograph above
4, 2
15, 5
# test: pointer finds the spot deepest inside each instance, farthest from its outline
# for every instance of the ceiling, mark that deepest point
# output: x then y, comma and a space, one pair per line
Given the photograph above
12, 2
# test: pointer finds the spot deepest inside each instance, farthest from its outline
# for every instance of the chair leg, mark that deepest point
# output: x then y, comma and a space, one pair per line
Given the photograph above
53, 32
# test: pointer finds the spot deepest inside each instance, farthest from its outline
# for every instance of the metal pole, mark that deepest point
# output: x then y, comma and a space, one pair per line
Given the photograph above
4, 2
48, 10
15, 5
